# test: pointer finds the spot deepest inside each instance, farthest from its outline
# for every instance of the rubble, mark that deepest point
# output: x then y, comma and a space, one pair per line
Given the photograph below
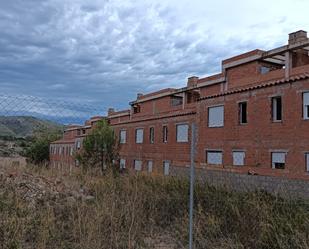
35, 188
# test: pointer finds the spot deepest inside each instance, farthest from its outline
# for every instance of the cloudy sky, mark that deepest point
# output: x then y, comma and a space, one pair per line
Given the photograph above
105, 51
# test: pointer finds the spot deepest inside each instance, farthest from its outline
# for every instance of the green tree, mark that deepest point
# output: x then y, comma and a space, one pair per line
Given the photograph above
38, 150
100, 147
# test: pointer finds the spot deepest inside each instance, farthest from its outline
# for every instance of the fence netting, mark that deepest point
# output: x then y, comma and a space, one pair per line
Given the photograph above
48, 208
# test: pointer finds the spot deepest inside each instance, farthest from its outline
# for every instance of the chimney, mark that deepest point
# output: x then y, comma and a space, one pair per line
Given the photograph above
139, 95
110, 111
297, 36
192, 81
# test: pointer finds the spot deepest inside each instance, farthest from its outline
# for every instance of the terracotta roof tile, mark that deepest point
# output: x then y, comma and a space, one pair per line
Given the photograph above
261, 85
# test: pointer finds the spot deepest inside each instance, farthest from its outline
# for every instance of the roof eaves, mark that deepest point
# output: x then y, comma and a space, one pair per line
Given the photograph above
262, 85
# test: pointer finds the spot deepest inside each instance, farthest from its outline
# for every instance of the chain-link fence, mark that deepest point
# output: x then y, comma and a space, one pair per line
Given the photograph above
135, 211
58, 111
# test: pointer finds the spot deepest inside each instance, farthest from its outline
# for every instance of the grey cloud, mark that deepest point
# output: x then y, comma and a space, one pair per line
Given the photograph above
105, 51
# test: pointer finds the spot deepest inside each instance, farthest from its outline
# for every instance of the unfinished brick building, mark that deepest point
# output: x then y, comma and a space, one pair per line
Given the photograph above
253, 117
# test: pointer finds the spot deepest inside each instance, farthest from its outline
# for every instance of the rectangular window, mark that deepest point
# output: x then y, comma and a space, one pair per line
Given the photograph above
136, 109
214, 157
166, 168
122, 163
165, 133
78, 144
151, 135
307, 161
306, 105
243, 113
216, 116
71, 151
264, 70
238, 158
278, 160
276, 103
139, 136
149, 166
182, 131
176, 100
138, 165
123, 136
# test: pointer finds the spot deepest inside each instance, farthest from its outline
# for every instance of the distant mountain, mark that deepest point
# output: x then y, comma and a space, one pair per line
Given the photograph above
22, 126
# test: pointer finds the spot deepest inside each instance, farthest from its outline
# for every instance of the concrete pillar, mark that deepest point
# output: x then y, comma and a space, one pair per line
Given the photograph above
288, 64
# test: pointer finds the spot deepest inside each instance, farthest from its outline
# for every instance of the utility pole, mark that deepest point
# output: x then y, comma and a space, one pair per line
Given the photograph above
192, 169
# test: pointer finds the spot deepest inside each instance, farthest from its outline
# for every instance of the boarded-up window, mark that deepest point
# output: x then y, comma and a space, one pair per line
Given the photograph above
150, 166
278, 160
78, 143
122, 163
306, 105
139, 136
138, 165
216, 116
264, 70
151, 135
166, 167
165, 133
276, 103
176, 100
214, 157
307, 162
238, 158
182, 132
123, 136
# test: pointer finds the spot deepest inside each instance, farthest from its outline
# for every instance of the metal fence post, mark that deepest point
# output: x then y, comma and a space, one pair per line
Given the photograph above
193, 134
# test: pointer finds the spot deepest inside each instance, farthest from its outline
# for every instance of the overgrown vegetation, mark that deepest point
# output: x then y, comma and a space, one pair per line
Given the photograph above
136, 211
100, 147
37, 149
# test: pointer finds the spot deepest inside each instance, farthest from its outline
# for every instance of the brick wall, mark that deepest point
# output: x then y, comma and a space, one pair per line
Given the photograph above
159, 151
260, 135
241, 80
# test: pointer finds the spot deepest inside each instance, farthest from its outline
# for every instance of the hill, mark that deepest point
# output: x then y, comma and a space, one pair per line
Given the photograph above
23, 126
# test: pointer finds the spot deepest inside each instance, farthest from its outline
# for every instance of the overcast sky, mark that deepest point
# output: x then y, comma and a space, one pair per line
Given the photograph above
107, 51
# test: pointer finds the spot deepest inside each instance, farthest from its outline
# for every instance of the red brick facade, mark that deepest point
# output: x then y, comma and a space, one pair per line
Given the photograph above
250, 118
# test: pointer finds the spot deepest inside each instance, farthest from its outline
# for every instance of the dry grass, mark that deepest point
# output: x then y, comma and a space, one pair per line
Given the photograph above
150, 212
